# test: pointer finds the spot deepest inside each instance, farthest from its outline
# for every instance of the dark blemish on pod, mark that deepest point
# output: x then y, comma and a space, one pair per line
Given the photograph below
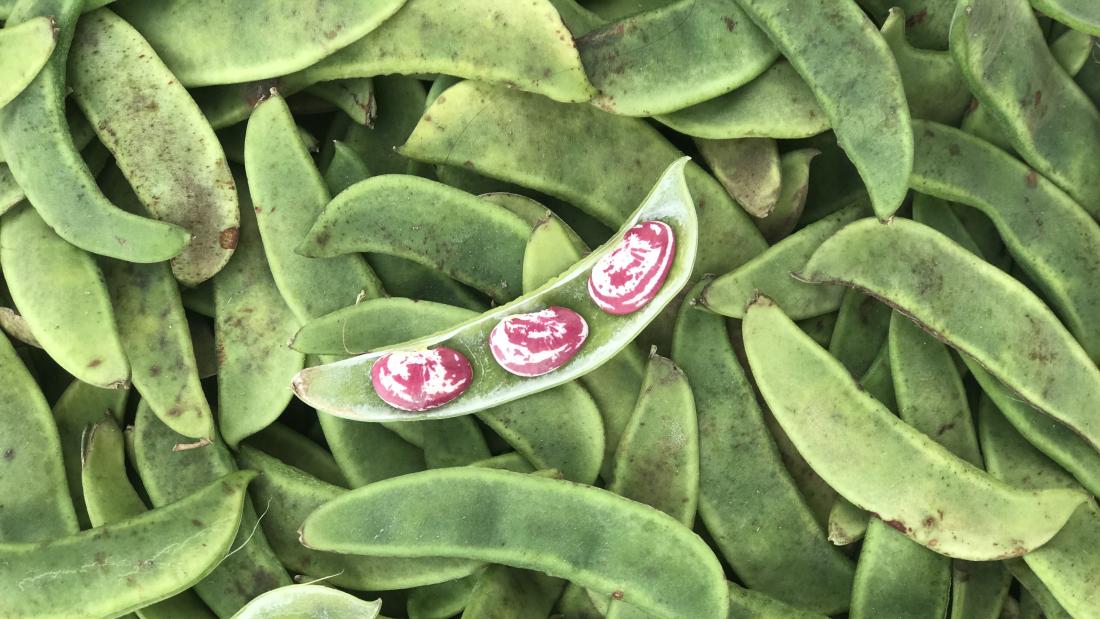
1032, 179
730, 24
227, 238
9, 454
916, 19
95, 363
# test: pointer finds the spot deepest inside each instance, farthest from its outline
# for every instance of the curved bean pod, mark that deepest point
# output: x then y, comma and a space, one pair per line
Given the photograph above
794, 172
897, 577
861, 92
24, 50
354, 97
929, 21
672, 57
939, 215
943, 287
777, 104
980, 590
44, 161
206, 43
441, 601
299, 451
309, 601
934, 86
1049, 121
479, 126
456, 441
341, 389
774, 544
749, 170
375, 323
1077, 14
292, 495
387, 518
1067, 564
770, 274
862, 324
947, 504
502, 591
1049, 235
464, 237
44, 274
111, 498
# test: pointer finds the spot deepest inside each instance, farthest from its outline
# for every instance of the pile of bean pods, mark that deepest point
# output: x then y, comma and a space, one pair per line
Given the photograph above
550, 308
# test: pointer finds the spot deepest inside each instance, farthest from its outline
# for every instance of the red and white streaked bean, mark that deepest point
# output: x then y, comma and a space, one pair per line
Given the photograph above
630, 275
419, 380
539, 342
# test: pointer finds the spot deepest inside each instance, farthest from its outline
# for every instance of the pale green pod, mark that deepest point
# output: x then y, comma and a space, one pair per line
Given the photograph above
308, 602
229, 105
860, 90
354, 97
502, 592
1049, 235
574, 603
288, 193
24, 50
980, 122
44, 275
531, 141
464, 38
777, 104
159, 139
199, 299
44, 160
1046, 117
672, 57
749, 170
1072, 50
890, 469
171, 468
928, 23
860, 332
1077, 14
551, 249
441, 601
975, 307
772, 542
453, 442
400, 101
10, 191
794, 167
934, 86
37, 506
341, 389
350, 441
299, 451
292, 495
464, 237
80, 406
939, 215
657, 461
1069, 564
979, 590
252, 323
898, 578
647, 557
1036, 601
618, 9
111, 499
847, 523
374, 323
206, 43
770, 274
749, 604
140, 560
510, 461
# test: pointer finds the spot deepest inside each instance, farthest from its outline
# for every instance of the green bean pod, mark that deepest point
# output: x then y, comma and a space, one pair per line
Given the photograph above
928, 25
934, 86
441, 601
979, 590
794, 172
354, 97
299, 451
749, 170
1077, 14
24, 50
502, 592
647, 558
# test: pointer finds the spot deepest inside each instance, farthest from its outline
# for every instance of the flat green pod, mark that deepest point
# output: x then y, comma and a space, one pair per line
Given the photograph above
464, 39
653, 561
111, 499
860, 332
820, 328
560, 428
171, 469
44, 274
441, 601
230, 104
354, 97
369, 452
32, 477
973, 306
770, 273
934, 86
897, 577
532, 141
464, 237
456, 441
400, 101
1077, 14
860, 91
375, 323
24, 50
204, 522
749, 170
293, 495
206, 43
657, 461
1072, 50
288, 194
1036, 601
1045, 116
773, 542
10, 191
749, 604
299, 451
510, 461
503, 592
252, 323
1069, 564
159, 139
82, 405
778, 104
928, 23
341, 388
1049, 235
979, 590
938, 214
672, 57
847, 523
551, 249
890, 469
308, 601
794, 173
44, 161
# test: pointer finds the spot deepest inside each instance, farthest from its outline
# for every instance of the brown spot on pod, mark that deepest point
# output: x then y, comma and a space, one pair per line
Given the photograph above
228, 238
